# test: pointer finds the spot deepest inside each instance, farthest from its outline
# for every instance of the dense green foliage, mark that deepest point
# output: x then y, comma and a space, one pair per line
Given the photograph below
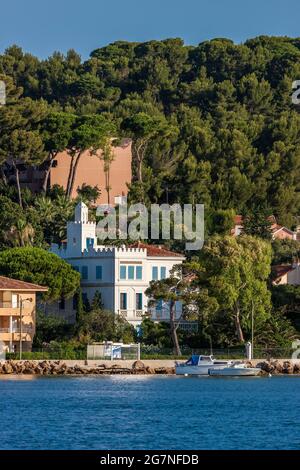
40, 267
217, 116
210, 124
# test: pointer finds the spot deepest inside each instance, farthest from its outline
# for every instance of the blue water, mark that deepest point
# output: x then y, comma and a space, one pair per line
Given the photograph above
149, 412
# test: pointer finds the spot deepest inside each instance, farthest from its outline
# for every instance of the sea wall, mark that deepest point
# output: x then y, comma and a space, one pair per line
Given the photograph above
85, 367
146, 367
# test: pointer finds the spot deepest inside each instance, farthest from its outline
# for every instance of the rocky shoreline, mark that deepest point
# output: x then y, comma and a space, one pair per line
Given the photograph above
47, 367
62, 368
277, 367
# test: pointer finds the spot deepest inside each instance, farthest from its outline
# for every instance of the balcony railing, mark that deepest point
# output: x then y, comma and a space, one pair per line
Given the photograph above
25, 329
163, 314
8, 304
131, 313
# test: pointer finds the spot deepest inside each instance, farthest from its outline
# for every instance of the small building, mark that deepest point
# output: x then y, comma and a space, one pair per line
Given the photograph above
277, 231
17, 313
286, 274
121, 274
110, 351
90, 171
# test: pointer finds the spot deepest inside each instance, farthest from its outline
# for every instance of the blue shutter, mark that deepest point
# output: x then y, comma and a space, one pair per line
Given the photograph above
163, 272
154, 273
84, 272
123, 301
139, 301
131, 272
139, 272
122, 272
98, 272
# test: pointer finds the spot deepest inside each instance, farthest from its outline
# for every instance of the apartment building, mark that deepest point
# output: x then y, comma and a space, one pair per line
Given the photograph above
17, 313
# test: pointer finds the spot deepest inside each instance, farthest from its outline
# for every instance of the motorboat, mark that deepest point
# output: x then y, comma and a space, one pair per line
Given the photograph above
237, 369
199, 365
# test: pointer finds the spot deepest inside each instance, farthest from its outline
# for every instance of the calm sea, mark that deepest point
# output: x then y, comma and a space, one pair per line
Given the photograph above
146, 412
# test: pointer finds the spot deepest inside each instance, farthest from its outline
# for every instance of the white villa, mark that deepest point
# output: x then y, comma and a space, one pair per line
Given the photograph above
120, 274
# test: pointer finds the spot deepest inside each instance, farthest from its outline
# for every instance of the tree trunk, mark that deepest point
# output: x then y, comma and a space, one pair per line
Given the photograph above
70, 174
140, 170
3, 175
138, 153
173, 329
48, 171
75, 166
107, 184
18, 184
238, 327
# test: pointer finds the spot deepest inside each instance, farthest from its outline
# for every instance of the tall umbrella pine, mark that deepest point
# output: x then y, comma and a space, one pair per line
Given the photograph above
57, 133
20, 139
236, 276
171, 291
144, 129
12, 94
90, 133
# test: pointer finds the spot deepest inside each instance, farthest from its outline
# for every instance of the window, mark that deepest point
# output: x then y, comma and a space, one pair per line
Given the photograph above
76, 268
159, 305
139, 272
98, 272
89, 242
62, 304
85, 300
74, 241
130, 272
123, 301
84, 272
123, 272
139, 301
154, 273
14, 301
163, 272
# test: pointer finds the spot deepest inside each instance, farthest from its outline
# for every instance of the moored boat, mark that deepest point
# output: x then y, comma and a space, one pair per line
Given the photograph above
235, 370
199, 365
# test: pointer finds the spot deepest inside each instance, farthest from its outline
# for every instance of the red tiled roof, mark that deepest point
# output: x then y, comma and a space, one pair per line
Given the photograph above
157, 250
281, 270
238, 220
276, 228
7, 283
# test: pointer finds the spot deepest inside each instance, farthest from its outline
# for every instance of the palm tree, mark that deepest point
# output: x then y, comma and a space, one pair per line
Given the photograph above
45, 208
20, 234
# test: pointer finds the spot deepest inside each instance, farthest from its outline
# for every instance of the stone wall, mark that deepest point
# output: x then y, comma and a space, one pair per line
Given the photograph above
275, 367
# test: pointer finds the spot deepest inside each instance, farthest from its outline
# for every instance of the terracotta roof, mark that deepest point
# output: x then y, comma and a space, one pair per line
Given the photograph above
7, 283
275, 228
280, 270
157, 250
238, 220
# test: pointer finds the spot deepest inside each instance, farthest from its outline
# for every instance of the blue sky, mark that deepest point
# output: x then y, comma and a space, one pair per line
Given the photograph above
43, 26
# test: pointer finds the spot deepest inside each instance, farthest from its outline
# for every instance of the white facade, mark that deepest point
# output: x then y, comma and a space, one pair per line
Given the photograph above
120, 274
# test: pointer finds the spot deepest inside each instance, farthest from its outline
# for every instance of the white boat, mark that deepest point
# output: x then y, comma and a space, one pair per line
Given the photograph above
199, 365
235, 370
